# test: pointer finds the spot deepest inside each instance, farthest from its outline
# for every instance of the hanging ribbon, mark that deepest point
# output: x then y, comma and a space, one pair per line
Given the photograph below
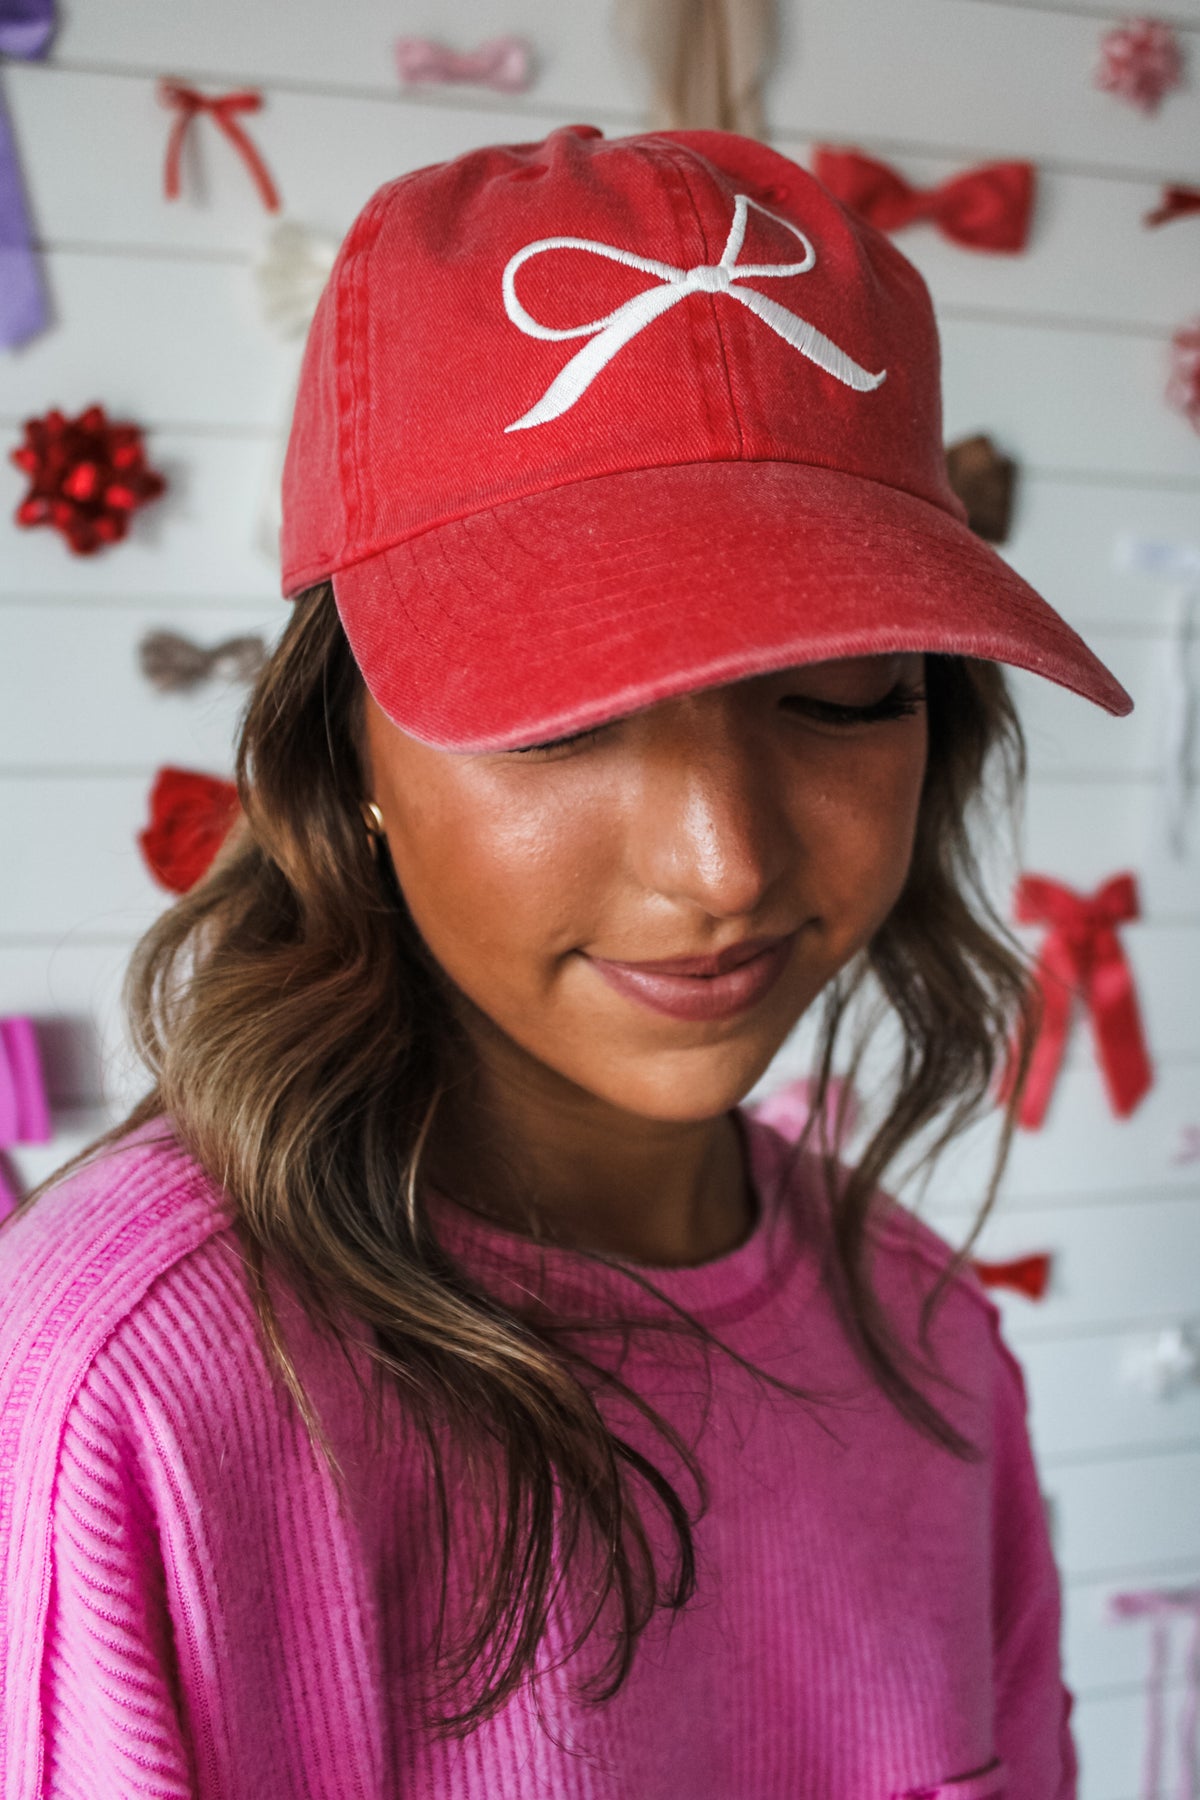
707, 60
26, 27
504, 63
1161, 1606
1176, 203
24, 1109
1028, 1275
988, 208
187, 102
190, 817
1081, 959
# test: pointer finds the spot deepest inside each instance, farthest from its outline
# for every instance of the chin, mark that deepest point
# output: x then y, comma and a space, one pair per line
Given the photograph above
685, 1087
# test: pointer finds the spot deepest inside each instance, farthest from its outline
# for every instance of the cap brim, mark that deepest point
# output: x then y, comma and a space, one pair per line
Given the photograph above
539, 617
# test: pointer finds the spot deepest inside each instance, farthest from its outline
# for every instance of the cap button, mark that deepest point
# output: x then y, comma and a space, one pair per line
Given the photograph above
708, 278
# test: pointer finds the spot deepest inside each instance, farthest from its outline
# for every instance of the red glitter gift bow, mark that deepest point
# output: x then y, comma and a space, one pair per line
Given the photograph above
221, 108
988, 208
1081, 958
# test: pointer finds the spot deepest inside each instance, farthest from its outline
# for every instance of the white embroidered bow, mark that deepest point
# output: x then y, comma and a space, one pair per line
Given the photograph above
611, 333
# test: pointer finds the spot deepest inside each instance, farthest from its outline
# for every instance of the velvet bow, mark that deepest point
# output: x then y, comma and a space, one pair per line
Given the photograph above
1028, 1275
1081, 959
190, 817
988, 208
26, 27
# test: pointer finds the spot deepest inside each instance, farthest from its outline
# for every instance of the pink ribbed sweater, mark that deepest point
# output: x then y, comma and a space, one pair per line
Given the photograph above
190, 1605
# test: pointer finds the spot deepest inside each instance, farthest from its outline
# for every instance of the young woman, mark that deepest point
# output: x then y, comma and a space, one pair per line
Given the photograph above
438, 1387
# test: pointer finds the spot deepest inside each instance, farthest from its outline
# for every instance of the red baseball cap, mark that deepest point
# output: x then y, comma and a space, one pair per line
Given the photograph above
587, 423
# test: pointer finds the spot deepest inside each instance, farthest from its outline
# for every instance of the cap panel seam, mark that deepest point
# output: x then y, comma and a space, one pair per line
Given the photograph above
679, 163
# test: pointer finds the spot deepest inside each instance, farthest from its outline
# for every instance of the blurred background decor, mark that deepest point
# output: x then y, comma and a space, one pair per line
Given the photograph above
1059, 355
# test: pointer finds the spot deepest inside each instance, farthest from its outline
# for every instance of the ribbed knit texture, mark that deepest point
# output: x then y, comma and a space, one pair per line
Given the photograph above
191, 1606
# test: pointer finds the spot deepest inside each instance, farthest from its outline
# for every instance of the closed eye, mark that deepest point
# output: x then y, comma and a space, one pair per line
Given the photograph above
902, 701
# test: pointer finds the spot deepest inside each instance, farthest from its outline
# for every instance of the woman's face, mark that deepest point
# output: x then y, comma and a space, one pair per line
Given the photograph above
754, 836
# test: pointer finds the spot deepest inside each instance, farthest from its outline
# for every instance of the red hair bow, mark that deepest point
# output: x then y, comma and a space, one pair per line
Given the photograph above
1081, 958
988, 208
190, 817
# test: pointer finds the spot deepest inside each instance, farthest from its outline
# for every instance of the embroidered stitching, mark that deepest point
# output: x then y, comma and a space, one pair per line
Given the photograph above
614, 330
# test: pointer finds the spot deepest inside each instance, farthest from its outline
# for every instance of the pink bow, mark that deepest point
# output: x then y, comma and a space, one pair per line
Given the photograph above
1160, 1605
505, 63
24, 1111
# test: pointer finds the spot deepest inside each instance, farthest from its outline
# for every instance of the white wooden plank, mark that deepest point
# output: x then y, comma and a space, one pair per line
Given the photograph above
1098, 1655
981, 76
1089, 257
74, 863
1116, 1267
201, 541
1068, 736
1118, 1515
580, 60
1110, 1733
1071, 400
99, 709
89, 184
1083, 833
1081, 1402
1066, 540
156, 341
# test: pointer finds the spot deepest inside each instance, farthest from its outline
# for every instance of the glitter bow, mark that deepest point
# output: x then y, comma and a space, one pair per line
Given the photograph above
174, 664
1140, 61
87, 477
988, 208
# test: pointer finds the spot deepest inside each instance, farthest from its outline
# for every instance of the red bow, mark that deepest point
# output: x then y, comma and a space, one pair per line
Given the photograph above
221, 108
1028, 1275
190, 817
1175, 203
987, 208
1082, 957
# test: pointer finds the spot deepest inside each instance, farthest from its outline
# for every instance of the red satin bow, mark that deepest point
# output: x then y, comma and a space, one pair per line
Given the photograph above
221, 108
988, 208
1176, 202
190, 817
1081, 957
1028, 1275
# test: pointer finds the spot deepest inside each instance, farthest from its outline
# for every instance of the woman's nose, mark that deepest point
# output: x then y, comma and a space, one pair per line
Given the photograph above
712, 828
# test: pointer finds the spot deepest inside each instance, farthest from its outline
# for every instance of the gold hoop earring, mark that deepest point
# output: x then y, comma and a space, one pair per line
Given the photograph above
373, 820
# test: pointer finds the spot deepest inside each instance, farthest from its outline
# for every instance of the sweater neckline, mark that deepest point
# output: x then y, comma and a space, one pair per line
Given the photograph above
719, 1290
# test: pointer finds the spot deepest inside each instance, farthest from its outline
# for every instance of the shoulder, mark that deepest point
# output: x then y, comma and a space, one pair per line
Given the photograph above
909, 1261
83, 1259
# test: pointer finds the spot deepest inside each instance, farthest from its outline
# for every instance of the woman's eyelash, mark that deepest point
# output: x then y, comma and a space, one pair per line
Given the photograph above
898, 704
573, 737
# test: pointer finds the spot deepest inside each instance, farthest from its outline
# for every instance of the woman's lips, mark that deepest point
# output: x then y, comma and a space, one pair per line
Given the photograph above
702, 987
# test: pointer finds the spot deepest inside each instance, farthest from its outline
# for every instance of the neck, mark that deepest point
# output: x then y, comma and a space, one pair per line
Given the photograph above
535, 1153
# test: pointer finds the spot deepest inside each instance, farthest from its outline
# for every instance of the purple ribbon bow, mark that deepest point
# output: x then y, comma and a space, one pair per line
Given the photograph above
26, 27
24, 1110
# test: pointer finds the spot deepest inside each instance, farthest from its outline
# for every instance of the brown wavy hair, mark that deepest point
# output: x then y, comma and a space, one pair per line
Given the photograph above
299, 1037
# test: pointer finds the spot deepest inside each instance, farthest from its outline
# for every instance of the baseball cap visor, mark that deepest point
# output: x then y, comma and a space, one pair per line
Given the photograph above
578, 604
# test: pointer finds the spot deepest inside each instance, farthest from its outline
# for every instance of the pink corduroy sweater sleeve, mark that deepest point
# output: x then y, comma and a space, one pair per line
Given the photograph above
1033, 1707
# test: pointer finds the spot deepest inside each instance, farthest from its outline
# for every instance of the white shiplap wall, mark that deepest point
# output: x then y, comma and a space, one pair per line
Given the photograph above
1060, 354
